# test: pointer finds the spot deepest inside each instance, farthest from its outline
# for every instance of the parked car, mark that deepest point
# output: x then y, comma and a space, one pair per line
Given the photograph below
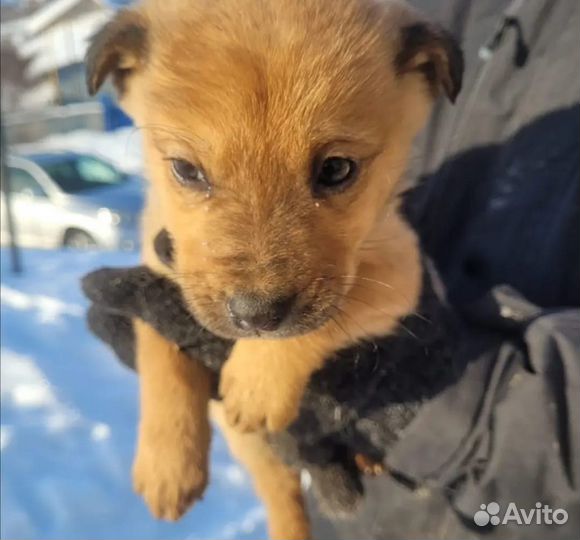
65, 199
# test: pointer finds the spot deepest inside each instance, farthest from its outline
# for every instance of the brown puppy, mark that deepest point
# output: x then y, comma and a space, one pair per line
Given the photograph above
276, 133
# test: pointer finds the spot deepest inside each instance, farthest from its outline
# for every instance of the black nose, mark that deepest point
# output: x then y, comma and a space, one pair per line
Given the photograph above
256, 312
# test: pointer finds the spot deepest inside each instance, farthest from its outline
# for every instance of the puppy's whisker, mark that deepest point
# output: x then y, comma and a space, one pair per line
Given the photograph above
368, 304
363, 278
404, 297
394, 318
133, 131
343, 313
412, 334
340, 327
380, 240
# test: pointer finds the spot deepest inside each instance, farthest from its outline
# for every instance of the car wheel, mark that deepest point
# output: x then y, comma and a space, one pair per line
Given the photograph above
79, 240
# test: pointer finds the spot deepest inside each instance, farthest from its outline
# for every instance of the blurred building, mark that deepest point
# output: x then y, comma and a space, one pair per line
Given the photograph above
43, 47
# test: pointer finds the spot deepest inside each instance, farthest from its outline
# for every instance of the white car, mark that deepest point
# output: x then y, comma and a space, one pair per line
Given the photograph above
65, 199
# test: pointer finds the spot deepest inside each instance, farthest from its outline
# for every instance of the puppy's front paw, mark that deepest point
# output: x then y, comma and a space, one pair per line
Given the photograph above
255, 397
168, 475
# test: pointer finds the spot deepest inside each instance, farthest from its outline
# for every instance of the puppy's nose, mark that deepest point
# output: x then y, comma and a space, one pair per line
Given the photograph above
256, 312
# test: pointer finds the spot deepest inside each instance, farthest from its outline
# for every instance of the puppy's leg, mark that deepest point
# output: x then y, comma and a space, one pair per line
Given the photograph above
276, 484
262, 381
170, 468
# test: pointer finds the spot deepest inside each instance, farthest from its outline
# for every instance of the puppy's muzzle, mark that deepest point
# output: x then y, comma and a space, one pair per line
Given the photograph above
254, 312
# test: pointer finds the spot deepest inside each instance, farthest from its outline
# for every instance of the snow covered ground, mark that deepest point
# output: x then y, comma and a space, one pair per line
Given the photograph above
69, 419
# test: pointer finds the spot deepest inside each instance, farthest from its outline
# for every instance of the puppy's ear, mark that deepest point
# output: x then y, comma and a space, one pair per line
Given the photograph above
118, 49
433, 52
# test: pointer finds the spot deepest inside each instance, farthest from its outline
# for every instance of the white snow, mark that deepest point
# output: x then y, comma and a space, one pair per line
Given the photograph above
100, 432
22, 383
69, 417
5, 436
48, 310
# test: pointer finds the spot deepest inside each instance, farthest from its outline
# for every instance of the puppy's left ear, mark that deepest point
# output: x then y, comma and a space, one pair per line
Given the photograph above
118, 49
434, 53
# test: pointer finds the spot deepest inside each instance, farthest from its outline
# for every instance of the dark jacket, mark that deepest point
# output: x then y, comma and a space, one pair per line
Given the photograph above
496, 205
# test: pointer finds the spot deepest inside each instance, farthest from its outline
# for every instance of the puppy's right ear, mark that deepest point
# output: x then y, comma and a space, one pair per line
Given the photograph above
433, 52
118, 49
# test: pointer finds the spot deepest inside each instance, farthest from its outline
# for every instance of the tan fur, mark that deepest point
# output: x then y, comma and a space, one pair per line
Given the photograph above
170, 468
276, 484
255, 90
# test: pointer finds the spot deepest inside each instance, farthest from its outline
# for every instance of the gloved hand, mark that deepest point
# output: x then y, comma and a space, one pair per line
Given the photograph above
119, 295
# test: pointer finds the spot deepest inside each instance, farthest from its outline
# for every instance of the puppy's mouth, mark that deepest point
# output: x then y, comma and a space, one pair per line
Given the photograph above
254, 315
270, 316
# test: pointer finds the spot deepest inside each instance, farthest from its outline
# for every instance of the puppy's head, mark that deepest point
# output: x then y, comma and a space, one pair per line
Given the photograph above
275, 134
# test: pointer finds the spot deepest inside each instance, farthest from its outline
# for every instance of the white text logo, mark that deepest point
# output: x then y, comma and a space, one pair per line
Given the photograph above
542, 514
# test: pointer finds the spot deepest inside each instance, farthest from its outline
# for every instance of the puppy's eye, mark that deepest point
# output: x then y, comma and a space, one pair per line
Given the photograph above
334, 174
188, 174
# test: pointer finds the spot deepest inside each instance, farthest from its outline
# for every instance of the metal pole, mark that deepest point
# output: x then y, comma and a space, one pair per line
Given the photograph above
6, 190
